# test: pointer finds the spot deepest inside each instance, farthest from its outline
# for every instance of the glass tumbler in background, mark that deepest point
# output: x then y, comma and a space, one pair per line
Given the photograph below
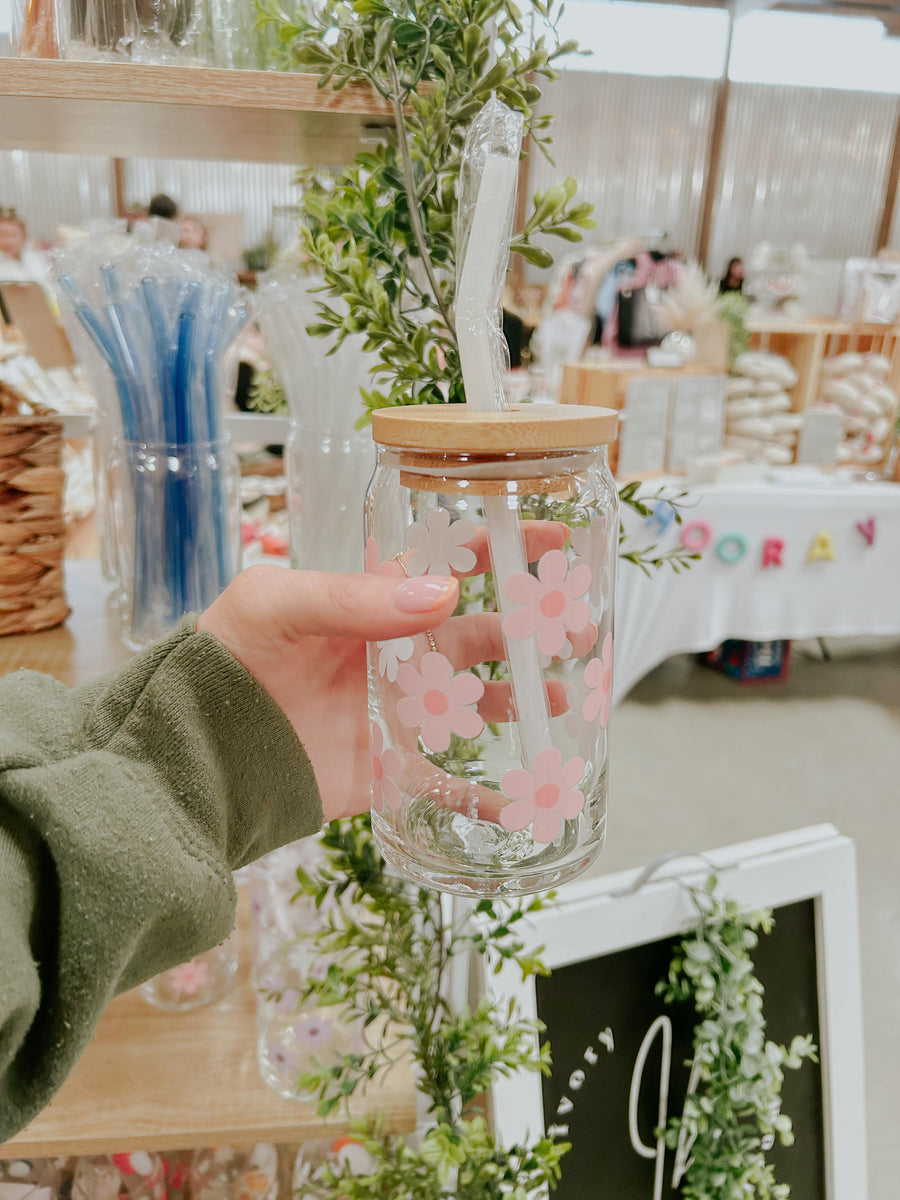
327, 474
177, 522
489, 735
202, 980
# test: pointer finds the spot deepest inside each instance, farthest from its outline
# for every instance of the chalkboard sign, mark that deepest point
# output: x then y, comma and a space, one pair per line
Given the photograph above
621, 1055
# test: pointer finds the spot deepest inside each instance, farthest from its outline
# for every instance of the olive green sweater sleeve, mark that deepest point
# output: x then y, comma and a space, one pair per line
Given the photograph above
124, 807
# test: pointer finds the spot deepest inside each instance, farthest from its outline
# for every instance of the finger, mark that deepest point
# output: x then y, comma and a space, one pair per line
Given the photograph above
540, 536
496, 704
295, 604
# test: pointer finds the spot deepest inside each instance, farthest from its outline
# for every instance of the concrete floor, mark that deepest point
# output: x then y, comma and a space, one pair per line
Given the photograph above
699, 762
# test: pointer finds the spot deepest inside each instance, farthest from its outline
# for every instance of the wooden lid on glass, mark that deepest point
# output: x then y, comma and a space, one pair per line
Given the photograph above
531, 428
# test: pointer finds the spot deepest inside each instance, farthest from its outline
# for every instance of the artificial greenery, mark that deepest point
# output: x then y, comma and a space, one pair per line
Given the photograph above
732, 307
392, 953
735, 1113
266, 394
382, 232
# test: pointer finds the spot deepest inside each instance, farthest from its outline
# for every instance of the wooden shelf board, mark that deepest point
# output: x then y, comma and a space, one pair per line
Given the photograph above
124, 110
151, 1079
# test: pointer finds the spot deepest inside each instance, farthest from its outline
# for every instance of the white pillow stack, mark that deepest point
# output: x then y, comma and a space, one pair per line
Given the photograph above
855, 384
758, 419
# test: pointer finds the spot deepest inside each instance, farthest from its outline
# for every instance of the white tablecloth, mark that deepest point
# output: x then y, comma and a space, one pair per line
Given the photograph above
856, 593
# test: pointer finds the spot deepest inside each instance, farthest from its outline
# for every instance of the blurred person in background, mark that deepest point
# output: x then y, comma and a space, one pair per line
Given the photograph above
194, 234
733, 279
20, 260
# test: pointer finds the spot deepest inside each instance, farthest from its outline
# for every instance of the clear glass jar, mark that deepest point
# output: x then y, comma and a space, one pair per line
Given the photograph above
333, 464
201, 980
489, 734
177, 518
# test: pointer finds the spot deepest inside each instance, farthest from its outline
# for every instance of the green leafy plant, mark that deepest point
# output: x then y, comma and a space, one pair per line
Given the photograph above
732, 307
392, 952
382, 232
735, 1112
266, 394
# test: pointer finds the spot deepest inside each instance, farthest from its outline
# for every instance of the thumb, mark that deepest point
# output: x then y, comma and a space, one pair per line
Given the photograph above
294, 604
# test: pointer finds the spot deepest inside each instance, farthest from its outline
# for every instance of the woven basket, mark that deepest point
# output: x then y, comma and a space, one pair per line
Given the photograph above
32, 528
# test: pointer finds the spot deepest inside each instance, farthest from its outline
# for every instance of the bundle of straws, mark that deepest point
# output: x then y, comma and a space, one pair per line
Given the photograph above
158, 324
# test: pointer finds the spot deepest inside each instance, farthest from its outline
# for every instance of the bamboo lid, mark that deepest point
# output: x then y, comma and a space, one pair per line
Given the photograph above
531, 428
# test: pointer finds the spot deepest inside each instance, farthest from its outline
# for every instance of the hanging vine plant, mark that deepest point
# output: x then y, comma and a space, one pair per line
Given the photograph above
734, 1115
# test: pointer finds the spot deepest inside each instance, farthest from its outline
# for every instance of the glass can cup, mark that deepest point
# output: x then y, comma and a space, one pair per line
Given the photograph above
177, 519
489, 734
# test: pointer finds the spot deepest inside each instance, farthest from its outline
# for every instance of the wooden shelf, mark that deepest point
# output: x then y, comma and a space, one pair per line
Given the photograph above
123, 110
152, 1079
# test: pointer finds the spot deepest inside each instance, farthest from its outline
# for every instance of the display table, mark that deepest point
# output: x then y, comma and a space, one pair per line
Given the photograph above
730, 593
152, 1079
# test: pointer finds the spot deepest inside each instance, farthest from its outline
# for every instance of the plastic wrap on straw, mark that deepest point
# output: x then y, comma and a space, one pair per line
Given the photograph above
486, 206
152, 328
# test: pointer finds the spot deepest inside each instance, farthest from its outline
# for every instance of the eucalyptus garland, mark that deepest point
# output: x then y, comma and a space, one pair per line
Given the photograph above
735, 1114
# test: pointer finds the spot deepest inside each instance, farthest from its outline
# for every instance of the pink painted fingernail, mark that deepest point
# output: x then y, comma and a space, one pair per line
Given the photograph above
424, 594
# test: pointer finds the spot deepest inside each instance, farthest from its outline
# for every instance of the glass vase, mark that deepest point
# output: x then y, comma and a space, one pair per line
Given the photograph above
489, 734
202, 980
327, 474
177, 531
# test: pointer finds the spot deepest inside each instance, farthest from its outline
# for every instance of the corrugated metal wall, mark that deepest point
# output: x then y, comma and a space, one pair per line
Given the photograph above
801, 164
637, 146
797, 163
254, 189
53, 189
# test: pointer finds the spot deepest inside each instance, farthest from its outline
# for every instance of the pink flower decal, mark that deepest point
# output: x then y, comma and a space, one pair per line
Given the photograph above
392, 653
598, 677
438, 547
438, 703
373, 564
315, 1031
385, 772
551, 607
543, 796
590, 544
189, 978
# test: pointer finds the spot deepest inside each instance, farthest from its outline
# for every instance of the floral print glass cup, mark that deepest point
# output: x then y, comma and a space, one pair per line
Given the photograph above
200, 981
489, 734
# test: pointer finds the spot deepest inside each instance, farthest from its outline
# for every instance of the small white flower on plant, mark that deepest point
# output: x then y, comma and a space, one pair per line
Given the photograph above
392, 653
590, 544
543, 796
439, 702
439, 548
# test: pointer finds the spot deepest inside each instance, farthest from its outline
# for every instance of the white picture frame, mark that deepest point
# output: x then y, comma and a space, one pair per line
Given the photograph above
600, 916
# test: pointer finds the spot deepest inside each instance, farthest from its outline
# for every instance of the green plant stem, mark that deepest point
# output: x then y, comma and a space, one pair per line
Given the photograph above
398, 98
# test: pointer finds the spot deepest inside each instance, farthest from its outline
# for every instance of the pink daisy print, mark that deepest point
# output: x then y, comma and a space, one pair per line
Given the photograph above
598, 677
543, 796
439, 548
589, 543
315, 1031
189, 978
439, 703
385, 772
550, 605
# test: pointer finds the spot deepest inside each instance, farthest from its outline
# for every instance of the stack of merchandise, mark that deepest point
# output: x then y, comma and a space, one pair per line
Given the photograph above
759, 423
855, 385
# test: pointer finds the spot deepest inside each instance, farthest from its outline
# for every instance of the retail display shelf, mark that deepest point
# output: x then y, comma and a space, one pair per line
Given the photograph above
131, 109
152, 1079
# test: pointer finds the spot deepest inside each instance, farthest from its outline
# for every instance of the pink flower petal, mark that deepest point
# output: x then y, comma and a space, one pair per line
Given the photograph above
551, 636
578, 582
462, 559
576, 615
461, 532
466, 688
393, 797
390, 762
522, 588
593, 673
517, 816
591, 706
410, 681
547, 765
570, 774
519, 783
571, 803
437, 671
418, 563
466, 722
552, 568
410, 711
435, 732
546, 825
521, 624
377, 738
417, 537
